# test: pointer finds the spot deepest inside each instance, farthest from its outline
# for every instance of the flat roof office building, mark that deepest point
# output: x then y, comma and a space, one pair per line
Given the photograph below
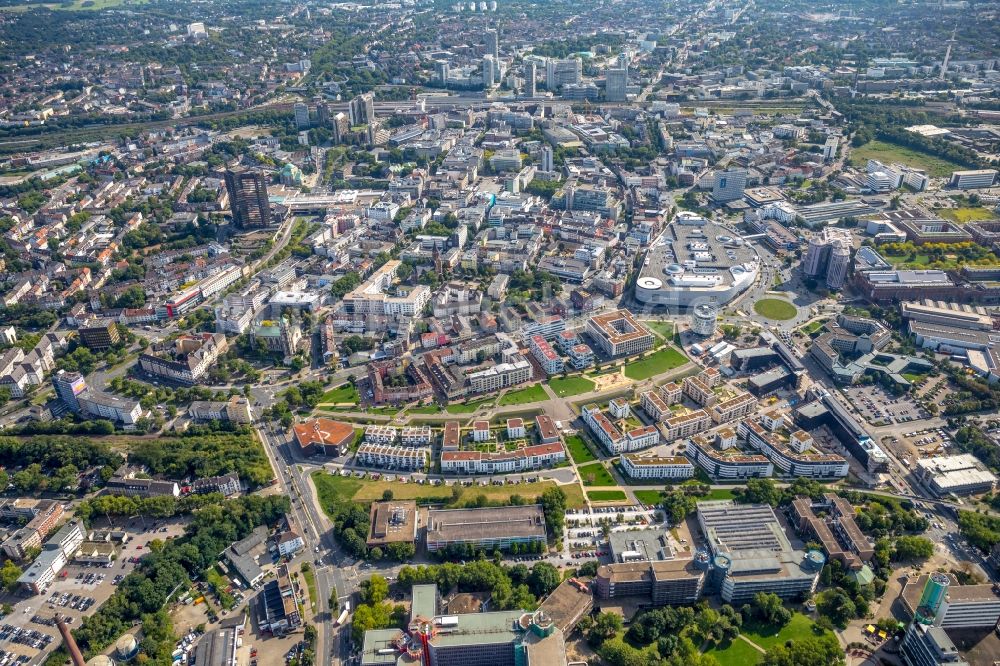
487, 528
750, 553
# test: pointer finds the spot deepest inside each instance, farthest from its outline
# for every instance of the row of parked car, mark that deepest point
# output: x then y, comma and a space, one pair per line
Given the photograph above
30, 637
67, 600
48, 621
10, 658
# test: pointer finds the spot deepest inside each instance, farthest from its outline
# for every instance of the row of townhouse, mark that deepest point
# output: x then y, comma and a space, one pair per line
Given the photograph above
523, 459
385, 456
408, 436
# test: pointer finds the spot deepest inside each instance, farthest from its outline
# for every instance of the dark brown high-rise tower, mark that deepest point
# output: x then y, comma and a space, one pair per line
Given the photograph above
248, 198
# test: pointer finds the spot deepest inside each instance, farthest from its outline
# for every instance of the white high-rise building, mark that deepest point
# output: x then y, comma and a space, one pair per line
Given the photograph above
530, 84
729, 185
301, 115
547, 164
443, 69
829, 255
839, 265
493, 43
703, 320
814, 263
489, 71
830, 148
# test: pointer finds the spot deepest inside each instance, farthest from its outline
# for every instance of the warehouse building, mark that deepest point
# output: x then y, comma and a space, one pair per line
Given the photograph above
486, 528
955, 475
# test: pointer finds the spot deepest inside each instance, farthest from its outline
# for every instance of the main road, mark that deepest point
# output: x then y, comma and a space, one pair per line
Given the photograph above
319, 545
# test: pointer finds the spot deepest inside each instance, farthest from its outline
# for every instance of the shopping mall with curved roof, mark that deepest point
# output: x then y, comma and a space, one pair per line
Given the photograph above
696, 261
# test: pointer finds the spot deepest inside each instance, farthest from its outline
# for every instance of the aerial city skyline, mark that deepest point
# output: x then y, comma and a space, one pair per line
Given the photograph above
499, 333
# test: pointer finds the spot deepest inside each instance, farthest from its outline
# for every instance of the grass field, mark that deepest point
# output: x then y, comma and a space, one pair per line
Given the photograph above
365, 491
967, 214
664, 328
311, 585
340, 394
812, 328
426, 409
666, 358
767, 636
719, 494
459, 408
888, 152
523, 396
649, 496
567, 386
606, 495
578, 450
596, 474
775, 308
736, 653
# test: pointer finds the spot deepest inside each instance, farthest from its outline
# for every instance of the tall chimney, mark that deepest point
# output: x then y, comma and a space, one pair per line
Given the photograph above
74, 650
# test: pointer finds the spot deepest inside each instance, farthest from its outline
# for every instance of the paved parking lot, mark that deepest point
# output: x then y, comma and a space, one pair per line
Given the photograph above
880, 408
80, 589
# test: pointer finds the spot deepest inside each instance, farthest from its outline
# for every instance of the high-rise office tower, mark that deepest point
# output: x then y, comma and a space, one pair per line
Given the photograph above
68, 385
248, 198
839, 265
361, 110
530, 86
322, 115
341, 126
559, 73
301, 115
489, 71
729, 185
617, 84
814, 263
830, 148
493, 43
442, 71
547, 158
829, 254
